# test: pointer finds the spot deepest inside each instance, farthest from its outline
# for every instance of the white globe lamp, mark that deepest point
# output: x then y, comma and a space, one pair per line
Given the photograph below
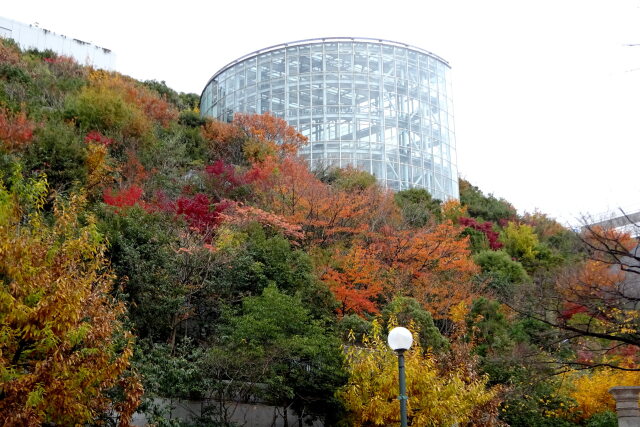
400, 339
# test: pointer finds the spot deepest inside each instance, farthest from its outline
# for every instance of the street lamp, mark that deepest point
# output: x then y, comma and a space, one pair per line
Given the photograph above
400, 340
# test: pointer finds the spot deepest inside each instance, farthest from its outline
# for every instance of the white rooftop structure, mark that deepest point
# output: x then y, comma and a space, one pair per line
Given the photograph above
33, 37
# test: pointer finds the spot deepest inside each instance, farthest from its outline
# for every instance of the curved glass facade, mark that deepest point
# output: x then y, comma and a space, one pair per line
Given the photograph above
380, 106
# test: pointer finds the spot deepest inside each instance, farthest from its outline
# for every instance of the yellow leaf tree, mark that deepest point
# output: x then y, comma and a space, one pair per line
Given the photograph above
590, 390
435, 398
62, 343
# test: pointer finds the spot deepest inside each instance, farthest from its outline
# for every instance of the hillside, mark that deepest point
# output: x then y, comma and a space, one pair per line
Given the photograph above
146, 252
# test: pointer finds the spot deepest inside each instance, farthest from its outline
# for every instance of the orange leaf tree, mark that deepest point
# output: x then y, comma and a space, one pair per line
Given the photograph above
62, 342
327, 214
270, 131
431, 264
357, 281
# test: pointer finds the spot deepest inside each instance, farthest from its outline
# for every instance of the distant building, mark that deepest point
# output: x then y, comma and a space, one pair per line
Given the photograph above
34, 37
377, 105
623, 221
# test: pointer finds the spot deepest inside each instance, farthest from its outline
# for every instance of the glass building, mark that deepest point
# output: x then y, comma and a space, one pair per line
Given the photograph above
377, 105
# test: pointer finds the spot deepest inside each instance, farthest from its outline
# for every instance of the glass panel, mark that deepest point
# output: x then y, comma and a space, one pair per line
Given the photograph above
374, 64
252, 72
392, 173
331, 130
364, 165
388, 66
305, 127
264, 71
378, 169
317, 133
305, 60
345, 47
277, 99
293, 63
332, 94
346, 62
277, 65
401, 69
333, 47
331, 62
403, 140
305, 99
362, 97
390, 104
390, 135
264, 102
404, 171
317, 94
364, 127
346, 130
317, 61
402, 86
346, 96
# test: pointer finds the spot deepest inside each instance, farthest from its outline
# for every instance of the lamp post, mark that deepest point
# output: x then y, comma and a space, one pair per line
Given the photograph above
400, 340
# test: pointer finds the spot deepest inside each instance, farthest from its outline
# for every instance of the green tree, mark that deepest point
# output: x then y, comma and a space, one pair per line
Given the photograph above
521, 242
141, 250
489, 327
407, 310
500, 271
418, 207
349, 179
295, 357
482, 207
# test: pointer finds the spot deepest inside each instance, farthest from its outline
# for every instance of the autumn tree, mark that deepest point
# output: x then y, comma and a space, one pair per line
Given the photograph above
251, 138
327, 213
593, 303
590, 390
432, 265
268, 135
224, 141
435, 398
357, 280
62, 342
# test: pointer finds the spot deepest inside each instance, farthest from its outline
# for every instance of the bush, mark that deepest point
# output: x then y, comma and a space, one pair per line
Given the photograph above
13, 73
103, 109
603, 419
58, 152
191, 119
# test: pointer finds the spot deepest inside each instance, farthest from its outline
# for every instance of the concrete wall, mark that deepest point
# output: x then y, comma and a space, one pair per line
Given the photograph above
242, 414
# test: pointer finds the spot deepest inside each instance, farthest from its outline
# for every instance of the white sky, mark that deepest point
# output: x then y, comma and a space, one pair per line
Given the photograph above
546, 102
